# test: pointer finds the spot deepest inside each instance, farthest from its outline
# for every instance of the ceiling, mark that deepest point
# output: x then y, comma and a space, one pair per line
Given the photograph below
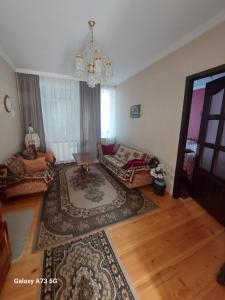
43, 35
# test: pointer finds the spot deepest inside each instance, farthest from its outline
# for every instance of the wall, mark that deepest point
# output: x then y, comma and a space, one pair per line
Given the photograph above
196, 113
10, 127
160, 90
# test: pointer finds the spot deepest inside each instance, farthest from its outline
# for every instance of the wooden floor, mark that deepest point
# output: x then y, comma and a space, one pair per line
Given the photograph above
171, 253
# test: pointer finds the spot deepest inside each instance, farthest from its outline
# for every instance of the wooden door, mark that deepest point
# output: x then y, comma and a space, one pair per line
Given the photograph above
209, 173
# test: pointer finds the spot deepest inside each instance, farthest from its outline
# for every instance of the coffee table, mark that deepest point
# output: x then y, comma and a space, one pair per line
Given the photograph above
84, 160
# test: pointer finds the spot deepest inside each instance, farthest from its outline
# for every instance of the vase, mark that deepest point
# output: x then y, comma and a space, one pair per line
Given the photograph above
159, 186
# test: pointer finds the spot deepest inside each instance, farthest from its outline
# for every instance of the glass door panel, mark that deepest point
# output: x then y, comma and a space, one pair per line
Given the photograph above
206, 159
211, 132
219, 166
216, 103
223, 136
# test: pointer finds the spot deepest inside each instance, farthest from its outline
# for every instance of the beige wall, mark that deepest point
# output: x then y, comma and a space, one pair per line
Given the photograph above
10, 127
160, 90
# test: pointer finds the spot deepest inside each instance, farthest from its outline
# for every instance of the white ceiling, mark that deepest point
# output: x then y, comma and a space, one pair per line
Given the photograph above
43, 35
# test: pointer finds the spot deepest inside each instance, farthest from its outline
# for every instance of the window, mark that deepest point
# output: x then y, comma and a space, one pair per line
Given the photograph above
108, 113
60, 101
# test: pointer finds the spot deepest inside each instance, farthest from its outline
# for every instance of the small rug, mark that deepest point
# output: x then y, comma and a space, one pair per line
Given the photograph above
77, 203
85, 269
18, 224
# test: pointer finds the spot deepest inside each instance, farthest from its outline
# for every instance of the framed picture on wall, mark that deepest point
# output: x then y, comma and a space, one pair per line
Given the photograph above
135, 111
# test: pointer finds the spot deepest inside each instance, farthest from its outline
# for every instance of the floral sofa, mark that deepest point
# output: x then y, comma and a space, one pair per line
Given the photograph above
133, 176
28, 176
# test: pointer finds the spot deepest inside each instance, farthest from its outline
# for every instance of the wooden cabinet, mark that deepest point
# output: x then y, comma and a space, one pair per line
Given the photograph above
5, 251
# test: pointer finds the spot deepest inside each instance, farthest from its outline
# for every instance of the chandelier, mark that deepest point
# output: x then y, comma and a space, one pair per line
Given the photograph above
91, 65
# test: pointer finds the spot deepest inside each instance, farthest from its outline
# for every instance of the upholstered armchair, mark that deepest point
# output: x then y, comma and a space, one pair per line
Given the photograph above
28, 176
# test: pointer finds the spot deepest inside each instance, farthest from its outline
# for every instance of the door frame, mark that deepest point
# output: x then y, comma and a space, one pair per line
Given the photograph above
185, 121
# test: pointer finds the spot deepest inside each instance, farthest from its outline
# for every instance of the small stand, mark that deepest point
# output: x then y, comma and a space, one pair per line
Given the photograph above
159, 186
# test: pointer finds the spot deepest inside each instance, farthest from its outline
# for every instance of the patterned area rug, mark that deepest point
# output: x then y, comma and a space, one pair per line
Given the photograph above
86, 269
77, 203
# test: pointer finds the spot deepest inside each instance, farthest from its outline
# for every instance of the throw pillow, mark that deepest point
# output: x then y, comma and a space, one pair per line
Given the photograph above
35, 165
47, 155
108, 149
15, 165
134, 163
29, 153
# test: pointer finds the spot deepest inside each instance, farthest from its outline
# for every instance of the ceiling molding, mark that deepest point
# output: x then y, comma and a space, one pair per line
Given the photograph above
46, 74
52, 75
7, 59
185, 40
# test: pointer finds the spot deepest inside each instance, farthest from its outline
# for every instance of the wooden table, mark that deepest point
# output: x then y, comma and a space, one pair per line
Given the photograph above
84, 160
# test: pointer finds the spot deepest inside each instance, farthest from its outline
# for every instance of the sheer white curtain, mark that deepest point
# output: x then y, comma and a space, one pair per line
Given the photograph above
60, 101
108, 114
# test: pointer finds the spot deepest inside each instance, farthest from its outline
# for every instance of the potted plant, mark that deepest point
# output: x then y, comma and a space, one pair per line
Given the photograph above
159, 174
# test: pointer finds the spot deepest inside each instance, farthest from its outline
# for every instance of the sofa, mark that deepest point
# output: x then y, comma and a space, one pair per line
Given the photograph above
130, 166
28, 176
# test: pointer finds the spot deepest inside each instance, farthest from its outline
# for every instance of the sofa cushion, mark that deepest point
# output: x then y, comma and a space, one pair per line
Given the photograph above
47, 155
26, 187
134, 163
35, 165
15, 165
114, 161
108, 149
125, 153
46, 175
115, 166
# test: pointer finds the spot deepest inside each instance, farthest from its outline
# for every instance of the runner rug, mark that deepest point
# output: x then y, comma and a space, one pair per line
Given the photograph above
77, 203
85, 269
18, 224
